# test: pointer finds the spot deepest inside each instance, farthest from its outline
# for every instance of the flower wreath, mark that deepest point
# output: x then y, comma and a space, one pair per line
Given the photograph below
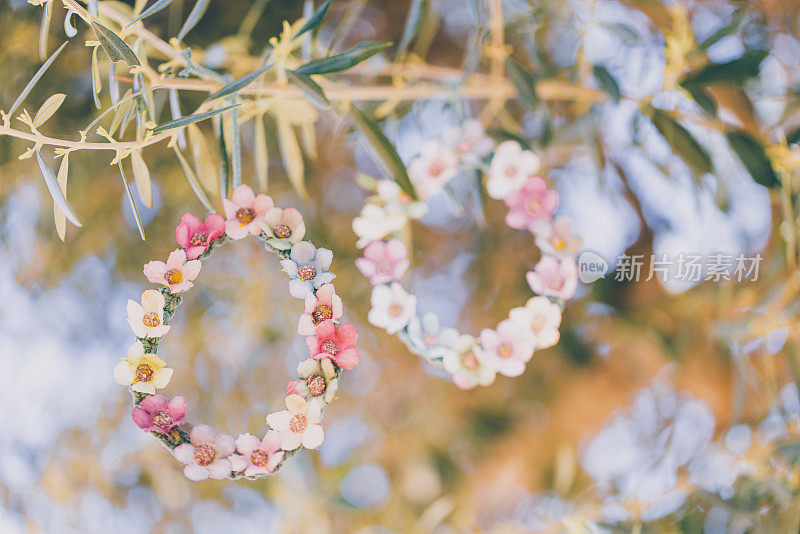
512, 177
332, 346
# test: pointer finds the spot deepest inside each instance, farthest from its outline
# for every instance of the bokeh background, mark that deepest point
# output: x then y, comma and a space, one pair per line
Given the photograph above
405, 451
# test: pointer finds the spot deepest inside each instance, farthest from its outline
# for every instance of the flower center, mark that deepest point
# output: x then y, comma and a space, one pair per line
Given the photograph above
198, 239
385, 267
330, 347
537, 322
505, 350
395, 310
162, 420
204, 454
298, 423
245, 215
469, 361
259, 458
429, 339
316, 385
282, 231
436, 169
151, 319
173, 276
557, 243
556, 283
511, 171
307, 272
321, 313
144, 373
533, 206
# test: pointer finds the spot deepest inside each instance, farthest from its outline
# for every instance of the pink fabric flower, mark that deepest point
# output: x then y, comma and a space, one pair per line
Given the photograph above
433, 168
147, 319
158, 415
553, 277
244, 211
508, 348
326, 304
298, 424
195, 236
207, 454
556, 238
337, 342
257, 456
384, 262
531, 205
177, 274
293, 387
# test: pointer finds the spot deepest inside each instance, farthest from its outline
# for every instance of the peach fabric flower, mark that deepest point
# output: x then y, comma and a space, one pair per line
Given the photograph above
508, 348
177, 274
283, 228
435, 166
147, 319
244, 211
510, 168
554, 278
541, 317
207, 456
533, 203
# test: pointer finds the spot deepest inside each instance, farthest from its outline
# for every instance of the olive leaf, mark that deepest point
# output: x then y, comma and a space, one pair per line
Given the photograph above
241, 83
681, 141
523, 81
49, 107
132, 202
55, 190
260, 152
141, 176
115, 47
291, 154
734, 71
155, 8
194, 17
310, 88
190, 119
416, 15
58, 215
36, 77
192, 179
345, 60
607, 82
315, 18
724, 31
751, 154
382, 151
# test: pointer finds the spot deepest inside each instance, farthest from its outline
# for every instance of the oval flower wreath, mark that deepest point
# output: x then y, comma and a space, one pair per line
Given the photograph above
331, 345
512, 177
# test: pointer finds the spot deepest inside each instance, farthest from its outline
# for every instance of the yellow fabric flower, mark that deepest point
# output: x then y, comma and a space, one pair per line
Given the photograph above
143, 372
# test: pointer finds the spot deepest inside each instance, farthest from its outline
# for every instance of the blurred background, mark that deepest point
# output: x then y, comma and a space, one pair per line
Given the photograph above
575, 444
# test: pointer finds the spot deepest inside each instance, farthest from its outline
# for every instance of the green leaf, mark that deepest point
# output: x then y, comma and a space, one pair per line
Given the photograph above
310, 88
194, 17
382, 151
703, 99
192, 179
607, 81
623, 31
735, 71
241, 83
316, 18
236, 166
725, 30
35, 79
751, 153
505, 135
416, 14
55, 190
523, 81
189, 119
155, 8
131, 201
681, 141
224, 162
115, 47
345, 60
793, 137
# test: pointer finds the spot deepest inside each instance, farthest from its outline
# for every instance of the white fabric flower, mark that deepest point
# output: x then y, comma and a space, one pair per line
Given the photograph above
541, 317
147, 319
510, 168
466, 362
435, 166
396, 200
376, 222
309, 386
392, 307
469, 141
425, 334
298, 424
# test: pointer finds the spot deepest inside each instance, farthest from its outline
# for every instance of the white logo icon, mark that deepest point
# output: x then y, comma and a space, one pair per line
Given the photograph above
591, 267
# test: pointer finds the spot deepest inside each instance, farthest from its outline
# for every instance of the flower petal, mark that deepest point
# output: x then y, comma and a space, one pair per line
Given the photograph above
176, 408
279, 420
243, 197
303, 253
202, 435
154, 403
124, 373
313, 437
184, 453
195, 473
